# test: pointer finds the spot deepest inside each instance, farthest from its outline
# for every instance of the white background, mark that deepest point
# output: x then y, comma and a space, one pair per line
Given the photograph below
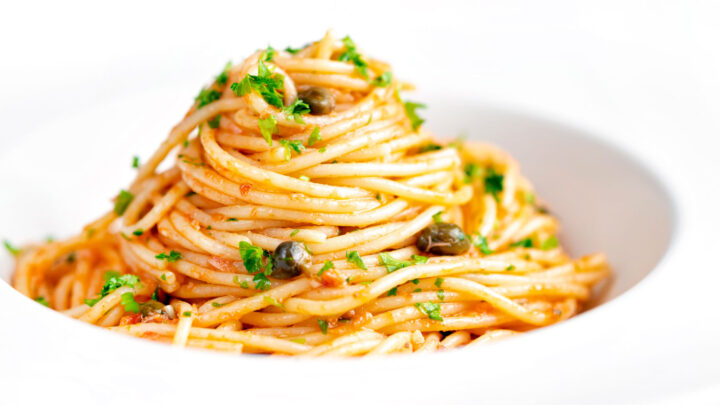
641, 73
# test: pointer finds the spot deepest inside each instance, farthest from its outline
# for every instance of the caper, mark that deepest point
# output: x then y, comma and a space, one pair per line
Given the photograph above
148, 307
443, 239
289, 260
320, 100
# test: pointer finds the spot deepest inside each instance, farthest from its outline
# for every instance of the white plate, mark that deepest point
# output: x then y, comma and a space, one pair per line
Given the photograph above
646, 343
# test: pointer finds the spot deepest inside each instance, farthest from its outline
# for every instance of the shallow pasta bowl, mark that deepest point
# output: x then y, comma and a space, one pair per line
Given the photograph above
605, 199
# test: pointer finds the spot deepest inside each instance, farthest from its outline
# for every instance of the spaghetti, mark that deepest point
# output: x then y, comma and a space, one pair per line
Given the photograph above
308, 212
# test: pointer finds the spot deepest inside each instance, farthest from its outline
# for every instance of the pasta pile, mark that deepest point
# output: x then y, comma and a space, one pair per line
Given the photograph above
308, 212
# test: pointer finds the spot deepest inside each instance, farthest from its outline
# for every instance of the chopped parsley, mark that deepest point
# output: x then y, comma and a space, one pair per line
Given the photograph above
353, 257
268, 127
268, 55
296, 110
314, 137
510, 267
128, 301
526, 243
429, 147
438, 282
323, 326
10, 248
266, 83
437, 217
529, 197
473, 172
327, 266
293, 233
138, 232
441, 294
136, 162
418, 259
291, 146
430, 309
272, 301
392, 291
482, 244
113, 281
231, 220
322, 150
214, 122
549, 243
123, 200
256, 261
352, 55
298, 340
173, 256
43, 301
410, 111
493, 182
383, 80
207, 96
222, 78
293, 51
415, 281
392, 264
187, 314
217, 304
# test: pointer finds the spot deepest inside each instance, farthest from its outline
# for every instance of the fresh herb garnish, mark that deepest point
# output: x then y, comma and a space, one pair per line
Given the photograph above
482, 244
493, 182
437, 217
472, 172
294, 232
290, 146
10, 248
43, 301
296, 110
214, 122
438, 282
123, 200
173, 256
430, 309
327, 266
207, 96
526, 243
314, 137
266, 83
113, 281
549, 243
222, 78
268, 127
138, 232
392, 291
268, 55
429, 147
128, 301
352, 55
353, 257
392, 264
256, 261
136, 162
410, 111
323, 326
383, 80
418, 259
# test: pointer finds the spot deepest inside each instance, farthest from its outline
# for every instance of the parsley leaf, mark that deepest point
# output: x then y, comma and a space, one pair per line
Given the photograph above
392, 264
207, 96
526, 243
272, 301
417, 259
383, 80
172, 257
430, 309
138, 232
482, 244
113, 281
438, 282
327, 266
437, 217
222, 78
392, 291
296, 146
255, 262
294, 232
214, 122
292, 50
135, 162
493, 183
472, 172
410, 111
43, 301
353, 257
314, 137
429, 147
352, 55
266, 83
123, 200
441, 294
268, 55
268, 127
549, 243
323, 326
10, 248
295, 111
128, 301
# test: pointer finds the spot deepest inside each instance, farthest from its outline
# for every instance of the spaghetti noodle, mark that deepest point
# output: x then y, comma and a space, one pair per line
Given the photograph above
308, 212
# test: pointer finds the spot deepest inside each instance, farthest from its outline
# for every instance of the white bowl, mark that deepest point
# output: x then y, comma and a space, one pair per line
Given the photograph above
606, 201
